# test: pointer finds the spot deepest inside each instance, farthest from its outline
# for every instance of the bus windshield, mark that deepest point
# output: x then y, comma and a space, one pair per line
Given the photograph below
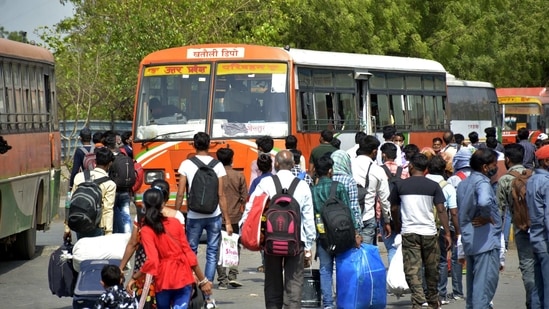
524, 115
251, 99
173, 101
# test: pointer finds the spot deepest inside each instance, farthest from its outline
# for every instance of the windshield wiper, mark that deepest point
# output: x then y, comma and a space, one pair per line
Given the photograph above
156, 138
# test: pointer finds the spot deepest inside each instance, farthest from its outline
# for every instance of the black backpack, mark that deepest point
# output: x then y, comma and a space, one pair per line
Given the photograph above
203, 196
86, 205
283, 222
122, 172
338, 224
392, 178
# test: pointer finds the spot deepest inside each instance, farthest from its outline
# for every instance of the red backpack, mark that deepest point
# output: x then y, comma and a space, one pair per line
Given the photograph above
251, 232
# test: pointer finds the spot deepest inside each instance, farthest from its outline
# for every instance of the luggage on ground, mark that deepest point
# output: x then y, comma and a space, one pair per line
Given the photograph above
61, 275
360, 279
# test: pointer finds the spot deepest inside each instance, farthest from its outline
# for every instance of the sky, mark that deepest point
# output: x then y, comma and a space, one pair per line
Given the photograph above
28, 15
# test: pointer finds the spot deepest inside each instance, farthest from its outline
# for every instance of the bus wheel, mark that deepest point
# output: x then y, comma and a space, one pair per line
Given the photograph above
25, 244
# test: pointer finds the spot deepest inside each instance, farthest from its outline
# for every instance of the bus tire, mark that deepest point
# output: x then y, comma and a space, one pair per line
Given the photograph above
25, 244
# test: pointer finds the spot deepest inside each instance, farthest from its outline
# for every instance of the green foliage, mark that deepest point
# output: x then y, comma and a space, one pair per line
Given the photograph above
98, 50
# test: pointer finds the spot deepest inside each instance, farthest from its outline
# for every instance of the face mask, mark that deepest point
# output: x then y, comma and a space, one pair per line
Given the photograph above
492, 172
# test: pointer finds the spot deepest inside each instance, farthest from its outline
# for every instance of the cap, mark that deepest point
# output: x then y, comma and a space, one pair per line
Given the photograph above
85, 132
543, 152
462, 158
543, 136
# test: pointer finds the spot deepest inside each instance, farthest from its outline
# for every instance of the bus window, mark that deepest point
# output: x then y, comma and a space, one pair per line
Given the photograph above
384, 113
346, 112
251, 100
173, 101
397, 105
416, 112
3, 102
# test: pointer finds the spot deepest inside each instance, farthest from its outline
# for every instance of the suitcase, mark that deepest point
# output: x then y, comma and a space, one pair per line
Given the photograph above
61, 274
88, 287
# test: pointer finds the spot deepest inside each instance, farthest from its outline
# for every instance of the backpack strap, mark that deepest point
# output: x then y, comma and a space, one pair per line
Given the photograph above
442, 183
333, 189
278, 185
87, 175
293, 186
101, 180
387, 171
212, 163
367, 182
514, 173
197, 161
461, 175
399, 172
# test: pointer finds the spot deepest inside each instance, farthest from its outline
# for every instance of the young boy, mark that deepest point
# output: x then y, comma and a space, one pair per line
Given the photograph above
115, 296
236, 194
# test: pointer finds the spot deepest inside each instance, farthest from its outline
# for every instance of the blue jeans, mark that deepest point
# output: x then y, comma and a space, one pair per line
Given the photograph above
541, 273
482, 279
178, 298
122, 222
526, 266
457, 281
326, 270
213, 231
388, 242
368, 231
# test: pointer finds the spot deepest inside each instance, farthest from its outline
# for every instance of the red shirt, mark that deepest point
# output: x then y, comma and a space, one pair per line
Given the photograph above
169, 256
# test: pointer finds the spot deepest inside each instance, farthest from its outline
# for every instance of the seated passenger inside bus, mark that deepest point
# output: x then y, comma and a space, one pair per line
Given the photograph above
159, 110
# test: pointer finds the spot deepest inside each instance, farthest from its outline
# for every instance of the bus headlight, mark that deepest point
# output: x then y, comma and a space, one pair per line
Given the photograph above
153, 175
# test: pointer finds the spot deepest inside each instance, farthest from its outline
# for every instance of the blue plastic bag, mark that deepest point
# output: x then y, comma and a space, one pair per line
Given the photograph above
361, 278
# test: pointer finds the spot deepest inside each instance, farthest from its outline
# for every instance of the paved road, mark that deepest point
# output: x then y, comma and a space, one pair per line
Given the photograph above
24, 284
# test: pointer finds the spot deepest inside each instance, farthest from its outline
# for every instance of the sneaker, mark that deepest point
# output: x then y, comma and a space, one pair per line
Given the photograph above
222, 286
210, 304
261, 269
457, 297
425, 305
235, 284
444, 301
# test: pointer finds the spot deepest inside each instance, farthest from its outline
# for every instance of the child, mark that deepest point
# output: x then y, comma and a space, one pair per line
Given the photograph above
236, 193
115, 296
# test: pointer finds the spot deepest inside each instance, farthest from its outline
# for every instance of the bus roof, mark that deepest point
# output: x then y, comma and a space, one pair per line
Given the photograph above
305, 57
518, 99
363, 61
18, 50
468, 83
540, 93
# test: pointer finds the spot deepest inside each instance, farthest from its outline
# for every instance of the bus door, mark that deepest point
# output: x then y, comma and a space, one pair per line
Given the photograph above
368, 119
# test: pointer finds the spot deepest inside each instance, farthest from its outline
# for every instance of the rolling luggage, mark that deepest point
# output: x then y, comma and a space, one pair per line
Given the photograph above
61, 274
88, 286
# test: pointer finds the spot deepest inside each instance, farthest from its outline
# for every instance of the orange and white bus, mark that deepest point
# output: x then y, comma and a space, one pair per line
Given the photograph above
30, 171
237, 93
473, 105
521, 112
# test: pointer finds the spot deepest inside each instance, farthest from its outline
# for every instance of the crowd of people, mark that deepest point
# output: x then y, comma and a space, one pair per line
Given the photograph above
451, 203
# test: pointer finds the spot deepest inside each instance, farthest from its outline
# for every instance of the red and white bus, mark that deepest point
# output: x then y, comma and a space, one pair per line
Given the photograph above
30, 171
236, 93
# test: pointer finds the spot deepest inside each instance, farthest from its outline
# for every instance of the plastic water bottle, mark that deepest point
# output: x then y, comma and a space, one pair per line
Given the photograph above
68, 199
319, 224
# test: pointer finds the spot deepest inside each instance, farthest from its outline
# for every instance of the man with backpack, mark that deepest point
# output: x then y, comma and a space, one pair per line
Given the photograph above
372, 177
284, 271
394, 174
337, 229
511, 195
104, 159
86, 152
123, 174
202, 180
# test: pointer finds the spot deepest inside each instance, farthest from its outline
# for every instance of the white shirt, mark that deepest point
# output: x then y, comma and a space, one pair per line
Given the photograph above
378, 186
352, 151
302, 195
188, 169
